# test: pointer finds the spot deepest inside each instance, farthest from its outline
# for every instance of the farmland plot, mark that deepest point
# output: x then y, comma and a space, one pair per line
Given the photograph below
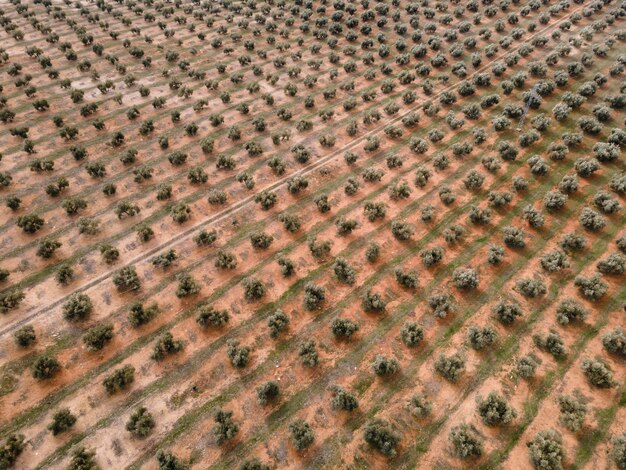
312, 234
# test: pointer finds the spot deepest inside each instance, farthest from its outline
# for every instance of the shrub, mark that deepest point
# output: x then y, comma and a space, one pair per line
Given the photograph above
465, 278
408, 279
411, 334
166, 345
598, 373
527, 365
78, 307
573, 242
253, 464
209, 316
384, 366
592, 288
308, 353
431, 256
344, 272
141, 423
552, 343
319, 249
612, 265
11, 450
373, 302
168, 461
83, 459
514, 237
450, 367
25, 336
495, 411
287, 267
441, 304
301, 434
618, 451
98, 336
126, 279
421, 406
569, 311
119, 380
380, 436
554, 260
465, 441
495, 254
342, 400
372, 252
345, 226
530, 288
187, 286
225, 427
225, 260
46, 248
481, 338
140, 315
267, 392
277, 323
572, 411
266, 199
474, 180
238, 355
253, 289
402, 230
314, 296
615, 342
30, 223
343, 328
261, 240
375, 210
546, 450
62, 421
591, 220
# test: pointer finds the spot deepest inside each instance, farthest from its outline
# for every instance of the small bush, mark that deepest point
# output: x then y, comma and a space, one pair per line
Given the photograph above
465, 278
83, 459
45, 367
411, 334
546, 450
481, 338
466, 441
168, 461
140, 315
308, 353
314, 296
62, 421
187, 286
267, 392
342, 400
384, 366
618, 451
381, 437
238, 355
209, 316
569, 311
531, 288
615, 342
277, 323
598, 373
344, 272
302, 434
526, 366
421, 406
572, 411
343, 328
551, 343
166, 345
126, 279
592, 288
225, 427
25, 336
450, 367
495, 411
11, 450
98, 336
141, 423
119, 380
253, 289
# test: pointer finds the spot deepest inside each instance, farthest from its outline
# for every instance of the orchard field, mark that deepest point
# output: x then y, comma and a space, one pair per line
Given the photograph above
312, 234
